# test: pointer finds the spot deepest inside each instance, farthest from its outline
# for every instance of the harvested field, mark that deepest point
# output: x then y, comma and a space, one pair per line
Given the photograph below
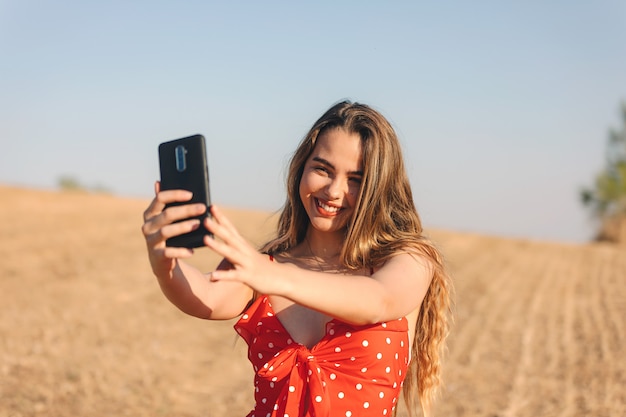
85, 330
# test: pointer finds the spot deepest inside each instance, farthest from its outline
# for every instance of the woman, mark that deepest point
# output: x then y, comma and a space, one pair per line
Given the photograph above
349, 303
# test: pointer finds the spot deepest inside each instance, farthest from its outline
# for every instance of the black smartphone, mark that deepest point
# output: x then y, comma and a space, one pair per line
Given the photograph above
183, 165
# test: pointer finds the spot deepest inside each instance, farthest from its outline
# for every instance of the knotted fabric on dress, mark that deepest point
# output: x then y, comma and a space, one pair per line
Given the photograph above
352, 371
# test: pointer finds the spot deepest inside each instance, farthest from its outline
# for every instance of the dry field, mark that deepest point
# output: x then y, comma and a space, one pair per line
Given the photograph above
85, 331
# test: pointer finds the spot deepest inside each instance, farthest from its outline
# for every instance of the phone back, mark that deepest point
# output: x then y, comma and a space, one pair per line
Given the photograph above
183, 165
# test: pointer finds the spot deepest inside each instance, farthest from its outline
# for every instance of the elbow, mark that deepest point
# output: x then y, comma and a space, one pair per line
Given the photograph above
377, 312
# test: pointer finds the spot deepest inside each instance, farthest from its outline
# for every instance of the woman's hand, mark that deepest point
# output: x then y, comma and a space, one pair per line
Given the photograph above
248, 266
161, 224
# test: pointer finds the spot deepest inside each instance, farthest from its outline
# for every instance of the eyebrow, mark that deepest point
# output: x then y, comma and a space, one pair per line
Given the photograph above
325, 162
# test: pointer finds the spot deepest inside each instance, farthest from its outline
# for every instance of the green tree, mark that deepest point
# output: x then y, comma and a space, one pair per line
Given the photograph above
606, 198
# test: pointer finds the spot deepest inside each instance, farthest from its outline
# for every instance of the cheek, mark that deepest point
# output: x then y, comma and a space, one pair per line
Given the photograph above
353, 194
308, 185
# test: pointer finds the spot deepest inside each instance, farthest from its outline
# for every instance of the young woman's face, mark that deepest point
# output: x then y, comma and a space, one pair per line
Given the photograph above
331, 180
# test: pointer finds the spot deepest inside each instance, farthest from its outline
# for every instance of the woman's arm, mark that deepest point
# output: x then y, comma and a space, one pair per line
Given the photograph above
393, 291
185, 286
195, 294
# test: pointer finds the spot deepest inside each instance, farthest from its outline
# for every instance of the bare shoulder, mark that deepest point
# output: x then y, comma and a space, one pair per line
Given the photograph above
405, 278
409, 261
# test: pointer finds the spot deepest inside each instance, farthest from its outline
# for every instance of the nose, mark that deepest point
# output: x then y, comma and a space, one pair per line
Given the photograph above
336, 188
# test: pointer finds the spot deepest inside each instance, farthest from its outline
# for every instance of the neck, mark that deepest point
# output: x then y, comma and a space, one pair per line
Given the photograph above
325, 246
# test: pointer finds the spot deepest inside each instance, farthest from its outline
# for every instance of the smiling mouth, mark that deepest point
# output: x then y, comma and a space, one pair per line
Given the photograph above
326, 209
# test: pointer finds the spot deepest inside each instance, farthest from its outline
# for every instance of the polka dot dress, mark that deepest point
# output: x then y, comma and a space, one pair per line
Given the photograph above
352, 371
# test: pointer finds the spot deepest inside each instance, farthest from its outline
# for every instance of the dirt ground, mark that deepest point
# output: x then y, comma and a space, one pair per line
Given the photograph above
85, 331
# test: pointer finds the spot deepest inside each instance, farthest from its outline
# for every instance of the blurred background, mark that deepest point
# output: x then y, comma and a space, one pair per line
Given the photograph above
503, 108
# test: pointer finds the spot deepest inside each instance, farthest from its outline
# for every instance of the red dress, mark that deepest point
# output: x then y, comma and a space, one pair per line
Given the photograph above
353, 371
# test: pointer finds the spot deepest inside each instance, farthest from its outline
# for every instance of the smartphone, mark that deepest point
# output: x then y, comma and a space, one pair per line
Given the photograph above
183, 165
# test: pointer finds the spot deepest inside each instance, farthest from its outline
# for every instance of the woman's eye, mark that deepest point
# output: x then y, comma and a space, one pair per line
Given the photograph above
355, 180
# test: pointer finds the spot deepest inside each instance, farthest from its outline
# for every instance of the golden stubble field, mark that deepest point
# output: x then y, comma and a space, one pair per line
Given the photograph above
85, 331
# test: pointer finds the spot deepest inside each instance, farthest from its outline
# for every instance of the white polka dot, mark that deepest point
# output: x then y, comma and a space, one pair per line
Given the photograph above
318, 399
270, 345
359, 387
292, 388
385, 412
381, 395
402, 343
271, 368
379, 355
333, 376
366, 405
396, 356
352, 358
264, 400
337, 349
363, 370
331, 332
348, 413
260, 323
348, 334
340, 394
269, 314
384, 325
388, 369
286, 415
275, 379
245, 317
365, 343
289, 341
275, 406
271, 385
260, 356
388, 340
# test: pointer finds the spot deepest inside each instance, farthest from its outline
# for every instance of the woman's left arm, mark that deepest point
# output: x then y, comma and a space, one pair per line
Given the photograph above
394, 290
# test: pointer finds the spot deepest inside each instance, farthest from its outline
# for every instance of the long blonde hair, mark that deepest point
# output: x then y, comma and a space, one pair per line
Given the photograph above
385, 222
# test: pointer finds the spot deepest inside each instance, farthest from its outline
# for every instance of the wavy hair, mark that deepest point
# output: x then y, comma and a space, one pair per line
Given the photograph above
385, 222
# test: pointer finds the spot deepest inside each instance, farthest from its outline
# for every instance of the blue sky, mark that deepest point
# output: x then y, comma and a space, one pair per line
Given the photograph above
503, 108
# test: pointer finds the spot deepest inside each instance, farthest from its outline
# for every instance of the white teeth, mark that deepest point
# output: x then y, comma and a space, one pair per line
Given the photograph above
327, 207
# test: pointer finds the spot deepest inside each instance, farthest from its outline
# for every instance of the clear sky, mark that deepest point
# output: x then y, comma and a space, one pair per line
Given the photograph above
503, 108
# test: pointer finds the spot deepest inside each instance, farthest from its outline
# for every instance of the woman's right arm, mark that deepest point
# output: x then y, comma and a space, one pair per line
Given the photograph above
185, 286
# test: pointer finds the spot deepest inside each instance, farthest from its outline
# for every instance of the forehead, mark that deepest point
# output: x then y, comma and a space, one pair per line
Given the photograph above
341, 148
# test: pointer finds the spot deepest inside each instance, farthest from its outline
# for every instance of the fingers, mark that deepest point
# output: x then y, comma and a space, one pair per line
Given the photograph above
173, 253
221, 248
226, 240
222, 228
161, 234
165, 197
161, 223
